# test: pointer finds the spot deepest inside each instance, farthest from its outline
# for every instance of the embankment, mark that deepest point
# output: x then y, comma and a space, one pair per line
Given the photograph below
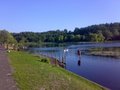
32, 74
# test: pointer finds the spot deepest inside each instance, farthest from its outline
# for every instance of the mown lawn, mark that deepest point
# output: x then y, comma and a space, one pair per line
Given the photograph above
31, 74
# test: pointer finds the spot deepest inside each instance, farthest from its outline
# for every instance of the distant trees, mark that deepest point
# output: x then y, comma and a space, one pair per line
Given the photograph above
107, 30
77, 38
94, 33
61, 38
96, 37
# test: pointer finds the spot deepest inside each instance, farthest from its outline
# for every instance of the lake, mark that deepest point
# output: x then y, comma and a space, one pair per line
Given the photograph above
102, 70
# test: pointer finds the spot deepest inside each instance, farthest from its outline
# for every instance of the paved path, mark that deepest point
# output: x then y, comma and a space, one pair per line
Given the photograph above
6, 80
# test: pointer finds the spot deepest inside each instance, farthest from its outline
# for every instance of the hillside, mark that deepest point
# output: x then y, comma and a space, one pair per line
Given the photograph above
94, 33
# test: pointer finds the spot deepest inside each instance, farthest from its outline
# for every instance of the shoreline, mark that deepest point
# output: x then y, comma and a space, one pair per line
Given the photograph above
53, 60
29, 67
59, 64
111, 54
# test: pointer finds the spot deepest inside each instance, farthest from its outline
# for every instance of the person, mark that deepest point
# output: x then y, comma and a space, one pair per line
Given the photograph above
79, 52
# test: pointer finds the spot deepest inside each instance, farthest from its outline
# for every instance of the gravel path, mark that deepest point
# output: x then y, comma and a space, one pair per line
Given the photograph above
6, 80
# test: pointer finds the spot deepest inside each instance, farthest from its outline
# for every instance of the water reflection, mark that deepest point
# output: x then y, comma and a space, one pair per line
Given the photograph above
79, 57
79, 62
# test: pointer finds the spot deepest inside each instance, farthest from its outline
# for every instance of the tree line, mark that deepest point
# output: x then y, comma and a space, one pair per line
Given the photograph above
93, 33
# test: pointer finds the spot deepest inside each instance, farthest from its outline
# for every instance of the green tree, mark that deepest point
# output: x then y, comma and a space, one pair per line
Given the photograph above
77, 38
100, 37
61, 38
96, 37
6, 37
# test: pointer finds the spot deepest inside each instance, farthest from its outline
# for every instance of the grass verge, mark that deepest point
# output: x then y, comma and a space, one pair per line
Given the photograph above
31, 74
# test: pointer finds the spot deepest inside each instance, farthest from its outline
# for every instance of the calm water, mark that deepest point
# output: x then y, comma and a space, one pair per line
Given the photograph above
102, 70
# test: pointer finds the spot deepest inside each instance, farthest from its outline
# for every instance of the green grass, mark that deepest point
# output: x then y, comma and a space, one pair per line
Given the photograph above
32, 74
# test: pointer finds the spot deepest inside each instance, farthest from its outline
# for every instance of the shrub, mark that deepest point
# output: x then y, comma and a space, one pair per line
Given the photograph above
45, 60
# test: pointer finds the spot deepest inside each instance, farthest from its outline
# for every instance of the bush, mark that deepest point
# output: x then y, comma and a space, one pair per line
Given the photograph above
45, 60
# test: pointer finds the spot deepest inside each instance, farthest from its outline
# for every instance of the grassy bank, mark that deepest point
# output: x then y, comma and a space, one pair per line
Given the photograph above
31, 74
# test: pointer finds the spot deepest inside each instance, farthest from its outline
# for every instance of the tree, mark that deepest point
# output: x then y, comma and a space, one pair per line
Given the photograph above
77, 38
96, 37
61, 38
70, 38
65, 30
100, 37
7, 39
4, 36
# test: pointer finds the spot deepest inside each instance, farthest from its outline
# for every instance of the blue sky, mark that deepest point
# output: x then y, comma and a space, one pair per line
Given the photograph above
44, 15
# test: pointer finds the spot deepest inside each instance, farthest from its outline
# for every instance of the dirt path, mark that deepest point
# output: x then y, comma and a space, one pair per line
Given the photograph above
6, 80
